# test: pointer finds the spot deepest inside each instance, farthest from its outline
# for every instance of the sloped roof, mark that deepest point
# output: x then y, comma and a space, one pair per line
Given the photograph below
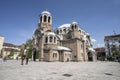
9, 45
64, 26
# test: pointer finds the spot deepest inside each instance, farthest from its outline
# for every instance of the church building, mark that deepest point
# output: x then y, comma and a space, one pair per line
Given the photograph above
67, 43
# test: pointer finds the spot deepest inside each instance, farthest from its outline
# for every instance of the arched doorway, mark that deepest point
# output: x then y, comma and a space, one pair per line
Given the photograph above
68, 59
90, 56
34, 54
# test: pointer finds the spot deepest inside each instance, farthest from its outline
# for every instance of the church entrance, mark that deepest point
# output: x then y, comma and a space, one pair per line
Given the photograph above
34, 54
68, 59
60, 56
90, 56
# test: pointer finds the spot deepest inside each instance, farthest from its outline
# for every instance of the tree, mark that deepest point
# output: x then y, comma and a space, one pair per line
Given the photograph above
29, 47
37, 54
115, 51
11, 54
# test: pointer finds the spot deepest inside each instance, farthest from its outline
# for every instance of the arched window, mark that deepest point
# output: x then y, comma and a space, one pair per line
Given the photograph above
60, 31
75, 26
46, 39
41, 18
49, 19
51, 38
64, 30
57, 32
45, 18
72, 27
80, 31
54, 39
54, 55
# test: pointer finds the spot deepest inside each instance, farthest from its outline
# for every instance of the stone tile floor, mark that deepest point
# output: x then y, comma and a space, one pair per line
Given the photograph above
12, 70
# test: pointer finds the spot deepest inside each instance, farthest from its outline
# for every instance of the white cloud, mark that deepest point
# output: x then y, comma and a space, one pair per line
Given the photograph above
93, 40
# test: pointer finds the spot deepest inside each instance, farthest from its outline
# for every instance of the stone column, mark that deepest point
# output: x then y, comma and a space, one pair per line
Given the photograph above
84, 51
53, 40
63, 56
42, 48
94, 56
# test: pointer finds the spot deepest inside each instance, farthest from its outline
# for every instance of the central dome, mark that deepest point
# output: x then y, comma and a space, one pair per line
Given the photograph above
46, 12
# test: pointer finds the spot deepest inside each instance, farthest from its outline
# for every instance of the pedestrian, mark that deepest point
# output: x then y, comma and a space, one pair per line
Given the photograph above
23, 57
27, 57
17, 58
4, 59
27, 60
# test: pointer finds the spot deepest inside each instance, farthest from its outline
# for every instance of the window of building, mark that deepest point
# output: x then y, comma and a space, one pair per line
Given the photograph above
54, 39
41, 18
45, 18
75, 26
49, 19
72, 27
46, 39
64, 30
75, 56
54, 55
51, 38
60, 31
80, 31
57, 32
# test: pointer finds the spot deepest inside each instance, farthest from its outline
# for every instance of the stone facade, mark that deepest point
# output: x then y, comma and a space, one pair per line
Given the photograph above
1, 43
67, 43
8, 48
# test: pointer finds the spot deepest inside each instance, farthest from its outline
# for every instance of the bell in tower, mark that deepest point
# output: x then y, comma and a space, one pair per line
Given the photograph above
45, 21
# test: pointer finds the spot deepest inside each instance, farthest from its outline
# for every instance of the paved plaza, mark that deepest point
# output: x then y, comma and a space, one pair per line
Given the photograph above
12, 70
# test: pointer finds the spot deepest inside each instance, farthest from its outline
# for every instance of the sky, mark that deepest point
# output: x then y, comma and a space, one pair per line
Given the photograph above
19, 18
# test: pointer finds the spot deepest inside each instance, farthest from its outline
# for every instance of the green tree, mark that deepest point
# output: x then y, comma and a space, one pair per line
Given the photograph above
29, 47
115, 51
37, 54
11, 54
20, 54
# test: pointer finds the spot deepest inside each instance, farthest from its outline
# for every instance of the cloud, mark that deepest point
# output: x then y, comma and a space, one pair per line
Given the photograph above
93, 40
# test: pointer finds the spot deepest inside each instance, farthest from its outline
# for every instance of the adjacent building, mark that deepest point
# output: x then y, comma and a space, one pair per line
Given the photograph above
10, 50
1, 43
67, 43
101, 55
112, 45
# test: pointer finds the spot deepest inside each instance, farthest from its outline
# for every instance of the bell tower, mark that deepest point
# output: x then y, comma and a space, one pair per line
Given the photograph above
74, 30
45, 21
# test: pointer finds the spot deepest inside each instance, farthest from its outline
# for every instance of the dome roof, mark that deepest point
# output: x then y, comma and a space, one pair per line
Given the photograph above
64, 26
51, 34
74, 23
46, 12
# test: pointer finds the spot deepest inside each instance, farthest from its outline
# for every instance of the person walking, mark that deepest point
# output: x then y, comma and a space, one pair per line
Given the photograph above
23, 57
27, 57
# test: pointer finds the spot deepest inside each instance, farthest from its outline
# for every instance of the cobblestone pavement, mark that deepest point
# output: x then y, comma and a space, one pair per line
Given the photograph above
13, 70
